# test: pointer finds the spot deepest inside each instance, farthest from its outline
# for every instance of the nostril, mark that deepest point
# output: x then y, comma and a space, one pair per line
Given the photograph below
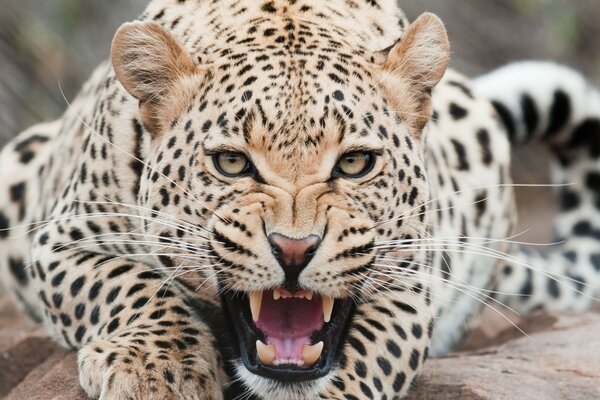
275, 250
310, 253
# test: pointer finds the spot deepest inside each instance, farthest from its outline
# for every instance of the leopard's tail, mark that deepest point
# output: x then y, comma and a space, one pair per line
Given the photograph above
552, 104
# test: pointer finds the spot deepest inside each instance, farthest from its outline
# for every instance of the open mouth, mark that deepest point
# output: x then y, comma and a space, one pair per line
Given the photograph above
288, 336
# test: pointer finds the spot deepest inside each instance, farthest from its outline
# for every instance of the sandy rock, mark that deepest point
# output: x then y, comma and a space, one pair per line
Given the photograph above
559, 359
56, 378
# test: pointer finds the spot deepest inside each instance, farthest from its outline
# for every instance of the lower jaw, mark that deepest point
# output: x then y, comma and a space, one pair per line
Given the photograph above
246, 334
265, 388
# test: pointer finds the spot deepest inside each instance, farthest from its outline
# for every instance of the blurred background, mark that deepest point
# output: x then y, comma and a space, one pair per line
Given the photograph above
53, 44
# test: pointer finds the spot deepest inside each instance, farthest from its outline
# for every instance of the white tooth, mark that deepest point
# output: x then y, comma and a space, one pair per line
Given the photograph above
276, 295
309, 296
327, 308
255, 304
310, 354
266, 353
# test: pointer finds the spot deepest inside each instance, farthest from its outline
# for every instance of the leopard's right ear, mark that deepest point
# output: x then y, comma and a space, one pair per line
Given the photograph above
155, 69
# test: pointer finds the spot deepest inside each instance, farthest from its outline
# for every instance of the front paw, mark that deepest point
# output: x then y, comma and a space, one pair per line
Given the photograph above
140, 369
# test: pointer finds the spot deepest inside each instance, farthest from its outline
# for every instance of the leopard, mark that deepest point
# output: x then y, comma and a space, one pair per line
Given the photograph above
290, 199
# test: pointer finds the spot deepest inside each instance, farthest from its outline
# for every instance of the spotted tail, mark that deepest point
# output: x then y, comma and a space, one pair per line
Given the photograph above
555, 105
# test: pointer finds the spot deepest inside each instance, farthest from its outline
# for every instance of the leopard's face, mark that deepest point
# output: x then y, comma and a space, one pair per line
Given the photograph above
282, 174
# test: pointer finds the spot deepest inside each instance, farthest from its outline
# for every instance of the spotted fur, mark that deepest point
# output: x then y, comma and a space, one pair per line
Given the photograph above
117, 231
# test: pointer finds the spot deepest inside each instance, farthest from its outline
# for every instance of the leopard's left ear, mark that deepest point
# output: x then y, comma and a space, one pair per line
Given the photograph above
155, 69
414, 65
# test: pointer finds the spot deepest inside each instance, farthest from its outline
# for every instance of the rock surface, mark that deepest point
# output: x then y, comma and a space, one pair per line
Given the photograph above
32, 366
559, 359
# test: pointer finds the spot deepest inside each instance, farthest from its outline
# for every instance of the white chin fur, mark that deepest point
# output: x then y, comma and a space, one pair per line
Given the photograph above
269, 389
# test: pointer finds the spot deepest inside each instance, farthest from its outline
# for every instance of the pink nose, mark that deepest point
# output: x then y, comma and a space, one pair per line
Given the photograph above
293, 255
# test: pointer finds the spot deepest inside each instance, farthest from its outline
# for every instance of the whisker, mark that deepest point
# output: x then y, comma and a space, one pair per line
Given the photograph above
473, 188
503, 257
476, 298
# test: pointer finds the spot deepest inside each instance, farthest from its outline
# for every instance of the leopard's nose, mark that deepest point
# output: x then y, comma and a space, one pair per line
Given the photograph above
293, 255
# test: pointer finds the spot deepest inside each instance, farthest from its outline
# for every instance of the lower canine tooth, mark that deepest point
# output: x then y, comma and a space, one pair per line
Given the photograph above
266, 352
255, 304
327, 308
310, 354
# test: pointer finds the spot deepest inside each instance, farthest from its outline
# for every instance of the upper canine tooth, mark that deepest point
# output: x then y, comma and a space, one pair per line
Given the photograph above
310, 354
327, 308
309, 296
276, 295
266, 352
255, 304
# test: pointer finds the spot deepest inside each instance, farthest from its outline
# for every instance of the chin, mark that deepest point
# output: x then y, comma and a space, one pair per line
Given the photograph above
271, 389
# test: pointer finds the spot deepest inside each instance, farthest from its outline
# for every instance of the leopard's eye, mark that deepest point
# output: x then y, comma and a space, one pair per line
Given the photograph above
355, 165
232, 164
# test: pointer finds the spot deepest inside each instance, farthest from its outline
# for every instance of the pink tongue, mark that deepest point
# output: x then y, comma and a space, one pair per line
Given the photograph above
288, 349
288, 323
290, 318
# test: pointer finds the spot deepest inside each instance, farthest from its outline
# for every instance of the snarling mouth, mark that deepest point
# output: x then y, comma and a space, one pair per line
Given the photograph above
288, 336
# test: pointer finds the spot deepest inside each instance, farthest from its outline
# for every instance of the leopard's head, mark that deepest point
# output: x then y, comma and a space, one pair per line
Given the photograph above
281, 160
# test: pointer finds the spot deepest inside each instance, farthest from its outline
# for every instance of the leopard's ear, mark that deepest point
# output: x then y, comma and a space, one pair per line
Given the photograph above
415, 64
155, 69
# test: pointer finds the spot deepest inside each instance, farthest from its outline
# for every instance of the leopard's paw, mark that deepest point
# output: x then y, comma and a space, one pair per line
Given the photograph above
129, 371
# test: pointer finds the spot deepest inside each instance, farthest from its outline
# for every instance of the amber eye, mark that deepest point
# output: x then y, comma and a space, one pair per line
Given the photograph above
355, 165
232, 164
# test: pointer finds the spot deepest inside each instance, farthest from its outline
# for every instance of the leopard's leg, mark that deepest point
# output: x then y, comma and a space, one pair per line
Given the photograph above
136, 338
23, 167
556, 106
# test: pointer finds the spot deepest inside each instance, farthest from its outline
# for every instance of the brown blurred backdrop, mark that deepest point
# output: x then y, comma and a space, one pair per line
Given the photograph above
52, 44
